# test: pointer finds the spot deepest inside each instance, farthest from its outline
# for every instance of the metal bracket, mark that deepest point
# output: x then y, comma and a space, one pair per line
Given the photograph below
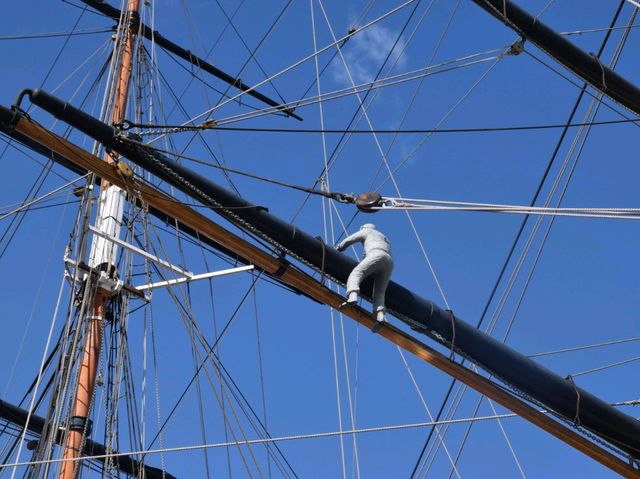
141, 252
114, 288
195, 277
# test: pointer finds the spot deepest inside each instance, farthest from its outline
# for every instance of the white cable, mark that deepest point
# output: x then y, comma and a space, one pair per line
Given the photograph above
300, 62
634, 3
589, 346
438, 205
364, 87
41, 198
600, 368
266, 440
428, 411
324, 185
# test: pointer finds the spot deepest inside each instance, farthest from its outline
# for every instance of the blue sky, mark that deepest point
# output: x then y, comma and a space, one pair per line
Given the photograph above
584, 289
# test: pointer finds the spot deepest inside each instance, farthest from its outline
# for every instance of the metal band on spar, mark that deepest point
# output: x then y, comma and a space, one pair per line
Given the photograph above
522, 373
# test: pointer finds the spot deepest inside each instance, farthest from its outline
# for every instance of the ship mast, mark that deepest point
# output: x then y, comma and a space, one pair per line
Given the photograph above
102, 257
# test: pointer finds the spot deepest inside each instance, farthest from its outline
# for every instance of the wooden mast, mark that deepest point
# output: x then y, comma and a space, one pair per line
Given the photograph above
102, 256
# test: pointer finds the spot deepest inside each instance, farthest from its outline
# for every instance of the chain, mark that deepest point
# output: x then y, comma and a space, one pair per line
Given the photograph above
127, 125
168, 131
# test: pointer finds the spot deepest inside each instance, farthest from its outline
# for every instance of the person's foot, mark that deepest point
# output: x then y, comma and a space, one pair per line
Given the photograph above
352, 298
345, 304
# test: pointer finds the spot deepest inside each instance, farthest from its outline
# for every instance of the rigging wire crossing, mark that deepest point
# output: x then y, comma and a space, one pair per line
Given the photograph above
372, 202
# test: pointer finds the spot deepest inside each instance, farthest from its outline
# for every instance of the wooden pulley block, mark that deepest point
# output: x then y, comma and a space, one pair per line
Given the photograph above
125, 170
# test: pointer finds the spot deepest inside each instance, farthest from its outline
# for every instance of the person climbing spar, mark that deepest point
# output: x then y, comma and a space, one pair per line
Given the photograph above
377, 262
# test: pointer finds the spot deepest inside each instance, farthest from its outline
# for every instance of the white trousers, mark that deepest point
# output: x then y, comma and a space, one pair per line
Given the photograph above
376, 263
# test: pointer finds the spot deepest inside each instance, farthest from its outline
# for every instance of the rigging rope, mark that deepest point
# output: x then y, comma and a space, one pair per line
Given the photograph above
55, 34
168, 129
303, 60
386, 204
26, 205
580, 348
319, 435
337, 196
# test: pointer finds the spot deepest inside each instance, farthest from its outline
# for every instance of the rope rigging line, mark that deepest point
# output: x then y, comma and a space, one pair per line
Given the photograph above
188, 317
337, 196
377, 84
579, 86
181, 107
607, 366
427, 410
55, 34
356, 116
581, 348
254, 52
303, 60
319, 435
329, 210
597, 30
39, 199
327, 217
386, 204
444, 118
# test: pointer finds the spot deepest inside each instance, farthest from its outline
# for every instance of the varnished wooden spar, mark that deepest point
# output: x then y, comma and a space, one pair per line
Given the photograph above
306, 284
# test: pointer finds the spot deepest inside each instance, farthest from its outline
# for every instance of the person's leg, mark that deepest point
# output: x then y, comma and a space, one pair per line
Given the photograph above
359, 273
384, 266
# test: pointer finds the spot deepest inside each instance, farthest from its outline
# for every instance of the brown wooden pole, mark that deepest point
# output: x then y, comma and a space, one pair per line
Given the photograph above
305, 283
93, 341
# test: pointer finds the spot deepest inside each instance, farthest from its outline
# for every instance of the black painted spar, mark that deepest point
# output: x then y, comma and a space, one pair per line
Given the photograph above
544, 386
586, 65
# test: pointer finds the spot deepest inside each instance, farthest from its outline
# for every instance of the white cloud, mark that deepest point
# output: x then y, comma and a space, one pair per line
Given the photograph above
365, 52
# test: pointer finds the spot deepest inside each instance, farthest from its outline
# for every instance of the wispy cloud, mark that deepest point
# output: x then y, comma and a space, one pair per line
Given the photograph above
365, 52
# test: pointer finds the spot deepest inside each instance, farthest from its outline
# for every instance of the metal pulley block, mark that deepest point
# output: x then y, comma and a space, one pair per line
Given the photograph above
366, 201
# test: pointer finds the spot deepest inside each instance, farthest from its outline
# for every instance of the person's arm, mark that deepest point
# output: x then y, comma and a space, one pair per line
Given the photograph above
349, 240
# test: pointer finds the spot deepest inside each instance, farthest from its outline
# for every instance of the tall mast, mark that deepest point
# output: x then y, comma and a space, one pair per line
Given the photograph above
102, 257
